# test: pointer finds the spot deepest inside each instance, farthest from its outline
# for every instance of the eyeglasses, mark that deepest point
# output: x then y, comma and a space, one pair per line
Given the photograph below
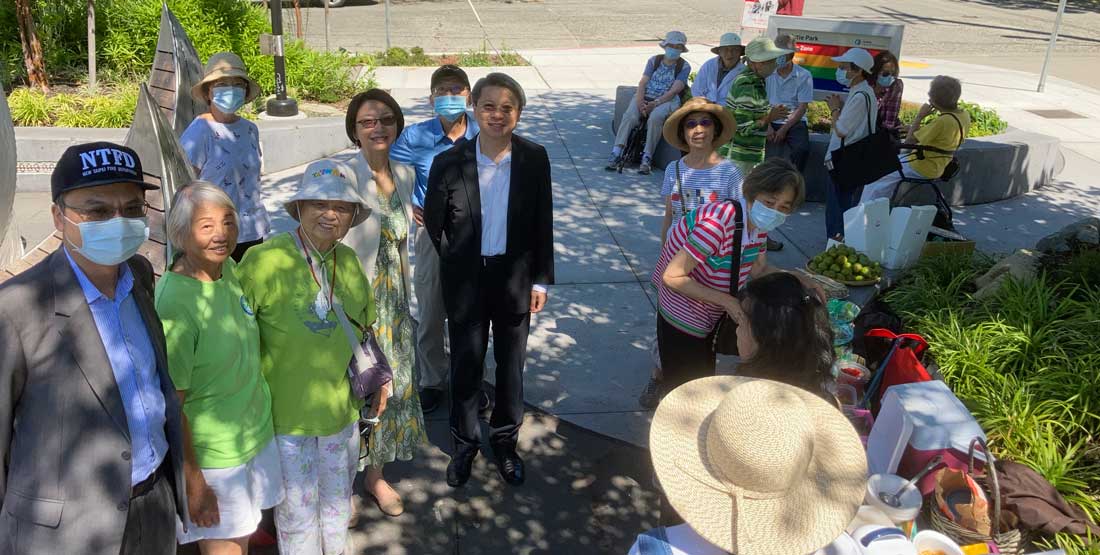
104, 212
693, 123
371, 123
448, 90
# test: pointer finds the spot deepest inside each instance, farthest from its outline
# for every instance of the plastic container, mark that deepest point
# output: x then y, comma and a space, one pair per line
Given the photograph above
880, 540
847, 395
910, 498
868, 515
929, 542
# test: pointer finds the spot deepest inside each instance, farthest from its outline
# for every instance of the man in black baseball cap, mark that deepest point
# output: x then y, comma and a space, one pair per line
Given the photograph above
84, 368
418, 146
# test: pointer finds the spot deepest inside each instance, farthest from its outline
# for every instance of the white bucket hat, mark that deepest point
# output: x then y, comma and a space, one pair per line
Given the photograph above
728, 39
675, 38
859, 57
758, 467
329, 180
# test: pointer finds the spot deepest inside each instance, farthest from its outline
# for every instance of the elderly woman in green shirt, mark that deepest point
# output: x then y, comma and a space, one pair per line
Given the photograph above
293, 281
231, 464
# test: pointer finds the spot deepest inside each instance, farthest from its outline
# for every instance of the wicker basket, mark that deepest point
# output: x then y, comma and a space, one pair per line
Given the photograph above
1009, 542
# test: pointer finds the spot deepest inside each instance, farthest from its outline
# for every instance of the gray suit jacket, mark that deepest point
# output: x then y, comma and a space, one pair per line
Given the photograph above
64, 438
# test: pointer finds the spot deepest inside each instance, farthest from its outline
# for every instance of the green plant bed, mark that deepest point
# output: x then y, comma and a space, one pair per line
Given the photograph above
983, 121
1024, 362
415, 56
111, 107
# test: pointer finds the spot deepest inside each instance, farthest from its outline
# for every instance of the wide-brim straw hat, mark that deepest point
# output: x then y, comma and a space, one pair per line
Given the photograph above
728, 39
329, 180
224, 64
758, 467
699, 104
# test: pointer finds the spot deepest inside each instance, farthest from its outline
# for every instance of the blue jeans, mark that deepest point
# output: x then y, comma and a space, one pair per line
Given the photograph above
796, 148
837, 202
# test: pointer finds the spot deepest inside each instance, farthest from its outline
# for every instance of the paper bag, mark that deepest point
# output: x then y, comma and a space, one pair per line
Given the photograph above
961, 500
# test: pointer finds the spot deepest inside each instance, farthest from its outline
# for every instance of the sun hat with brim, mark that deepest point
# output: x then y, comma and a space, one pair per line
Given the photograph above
758, 467
329, 180
698, 104
224, 64
763, 49
859, 57
675, 38
728, 39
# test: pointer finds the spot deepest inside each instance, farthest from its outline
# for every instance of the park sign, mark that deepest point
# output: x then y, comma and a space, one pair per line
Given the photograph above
817, 41
757, 13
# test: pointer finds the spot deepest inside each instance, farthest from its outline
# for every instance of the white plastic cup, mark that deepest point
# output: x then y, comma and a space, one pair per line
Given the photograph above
910, 499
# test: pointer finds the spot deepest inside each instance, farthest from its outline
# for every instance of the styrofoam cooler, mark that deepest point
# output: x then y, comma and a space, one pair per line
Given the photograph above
866, 228
917, 422
908, 232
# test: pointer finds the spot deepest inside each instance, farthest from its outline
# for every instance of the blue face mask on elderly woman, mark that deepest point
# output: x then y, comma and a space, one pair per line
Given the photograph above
450, 107
228, 99
765, 217
672, 53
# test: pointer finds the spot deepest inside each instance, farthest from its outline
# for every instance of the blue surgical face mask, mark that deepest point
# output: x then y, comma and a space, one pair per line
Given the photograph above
110, 242
672, 53
450, 107
885, 80
842, 77
766, 218
782, 62
228, 99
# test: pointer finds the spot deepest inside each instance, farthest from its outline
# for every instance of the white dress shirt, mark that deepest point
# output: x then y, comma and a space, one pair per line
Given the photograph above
791, 91
494, 181
706, 82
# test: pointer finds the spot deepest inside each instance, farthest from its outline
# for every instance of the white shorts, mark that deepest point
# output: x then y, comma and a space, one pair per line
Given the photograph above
242, 492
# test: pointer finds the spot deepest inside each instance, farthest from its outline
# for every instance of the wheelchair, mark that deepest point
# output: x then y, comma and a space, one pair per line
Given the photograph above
634, 147
916, 193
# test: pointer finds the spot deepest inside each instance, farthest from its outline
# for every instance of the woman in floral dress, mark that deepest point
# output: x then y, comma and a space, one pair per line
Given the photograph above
374, 121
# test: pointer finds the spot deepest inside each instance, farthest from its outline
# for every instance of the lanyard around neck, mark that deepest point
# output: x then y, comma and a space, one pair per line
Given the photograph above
320, 275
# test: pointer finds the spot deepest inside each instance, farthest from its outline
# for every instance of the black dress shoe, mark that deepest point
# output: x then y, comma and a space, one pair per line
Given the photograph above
458, 470
430, 399
511, 469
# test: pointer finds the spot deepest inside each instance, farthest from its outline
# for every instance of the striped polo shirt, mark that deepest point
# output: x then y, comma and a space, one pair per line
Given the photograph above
747, 103
707, 235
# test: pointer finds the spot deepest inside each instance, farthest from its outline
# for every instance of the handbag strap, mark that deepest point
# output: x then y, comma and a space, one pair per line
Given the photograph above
735, 269
349, 332
962, 134
680, 191
870, 127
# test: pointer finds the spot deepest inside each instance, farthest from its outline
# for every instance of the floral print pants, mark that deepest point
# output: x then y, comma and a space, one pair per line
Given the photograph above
318, 473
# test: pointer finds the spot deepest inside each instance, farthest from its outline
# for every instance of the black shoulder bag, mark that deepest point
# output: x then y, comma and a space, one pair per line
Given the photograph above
866, 160
725, 338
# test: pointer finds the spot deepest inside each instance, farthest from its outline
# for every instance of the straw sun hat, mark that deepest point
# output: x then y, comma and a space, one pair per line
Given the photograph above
329, 180
758, 467
698, 104
224, 64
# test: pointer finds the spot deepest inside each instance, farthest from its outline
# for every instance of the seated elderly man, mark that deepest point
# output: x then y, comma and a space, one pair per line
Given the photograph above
665, 76
717, 74
932, 145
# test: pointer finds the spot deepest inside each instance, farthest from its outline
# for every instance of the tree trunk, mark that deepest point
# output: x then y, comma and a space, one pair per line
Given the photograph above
32, 47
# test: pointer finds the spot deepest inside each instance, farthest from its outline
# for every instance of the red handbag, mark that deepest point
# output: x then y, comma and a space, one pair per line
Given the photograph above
902, 364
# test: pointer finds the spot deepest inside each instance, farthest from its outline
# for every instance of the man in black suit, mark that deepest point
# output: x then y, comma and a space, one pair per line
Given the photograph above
489, 212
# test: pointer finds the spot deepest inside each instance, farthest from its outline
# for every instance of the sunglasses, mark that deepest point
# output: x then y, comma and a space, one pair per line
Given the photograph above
371, 123
693, 123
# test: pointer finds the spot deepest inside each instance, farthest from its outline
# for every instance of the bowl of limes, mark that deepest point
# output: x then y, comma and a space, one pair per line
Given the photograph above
846, 265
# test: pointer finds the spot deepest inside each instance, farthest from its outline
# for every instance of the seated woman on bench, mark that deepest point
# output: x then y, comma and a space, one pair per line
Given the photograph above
658, 95
929, 148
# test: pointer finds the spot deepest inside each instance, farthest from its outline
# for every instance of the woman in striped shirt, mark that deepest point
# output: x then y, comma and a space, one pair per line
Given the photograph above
696, 265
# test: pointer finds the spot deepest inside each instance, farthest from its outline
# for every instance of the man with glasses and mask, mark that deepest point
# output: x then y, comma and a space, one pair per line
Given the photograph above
90, 431
418, 146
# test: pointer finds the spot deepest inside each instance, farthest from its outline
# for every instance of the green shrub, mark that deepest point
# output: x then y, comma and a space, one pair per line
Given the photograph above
415, 56
62, 29
104, 108
983, 121
817, 117
1024, 361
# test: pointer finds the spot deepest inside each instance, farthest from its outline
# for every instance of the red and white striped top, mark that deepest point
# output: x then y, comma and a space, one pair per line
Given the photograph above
707, 235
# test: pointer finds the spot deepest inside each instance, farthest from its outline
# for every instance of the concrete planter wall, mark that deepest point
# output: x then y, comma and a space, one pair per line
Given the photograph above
285, 144
991, 168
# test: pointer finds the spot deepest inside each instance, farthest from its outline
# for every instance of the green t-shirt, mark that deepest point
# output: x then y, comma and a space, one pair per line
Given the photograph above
304, 358
214, 355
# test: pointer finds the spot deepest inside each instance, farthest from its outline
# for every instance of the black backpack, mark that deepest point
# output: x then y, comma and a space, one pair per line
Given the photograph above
655, 62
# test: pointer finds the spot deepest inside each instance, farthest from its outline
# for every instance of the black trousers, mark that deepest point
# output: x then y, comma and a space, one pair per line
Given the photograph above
683, 357
151, 520
469, 343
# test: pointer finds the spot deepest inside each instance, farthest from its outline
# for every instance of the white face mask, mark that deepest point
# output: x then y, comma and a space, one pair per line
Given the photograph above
110, 242
765, 217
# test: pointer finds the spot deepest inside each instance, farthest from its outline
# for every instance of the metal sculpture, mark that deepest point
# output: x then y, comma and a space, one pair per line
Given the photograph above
11, 245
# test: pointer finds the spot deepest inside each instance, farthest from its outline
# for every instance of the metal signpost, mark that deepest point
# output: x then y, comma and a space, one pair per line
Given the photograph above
1050, 47
280, 106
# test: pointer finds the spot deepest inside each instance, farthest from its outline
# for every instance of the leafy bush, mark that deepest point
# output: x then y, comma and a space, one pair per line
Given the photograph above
104, 108
415, 56
397, 56
62, 29
983, 121
1024, 362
